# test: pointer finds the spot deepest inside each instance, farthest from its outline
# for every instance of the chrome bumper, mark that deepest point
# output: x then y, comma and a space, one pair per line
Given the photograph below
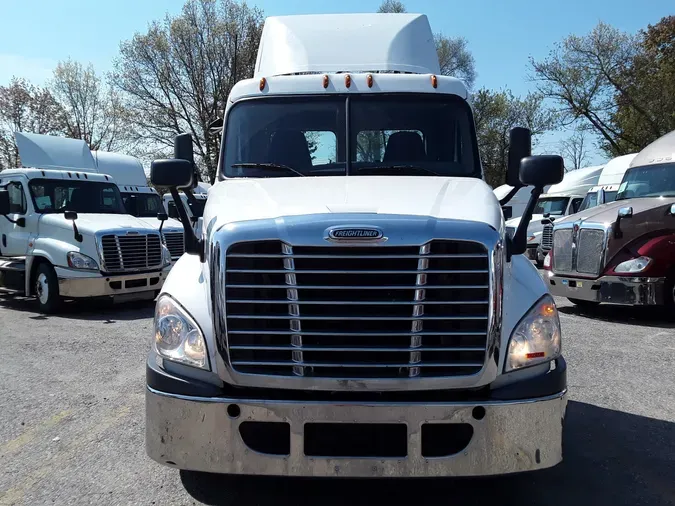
197, 433
98, 285
627, 290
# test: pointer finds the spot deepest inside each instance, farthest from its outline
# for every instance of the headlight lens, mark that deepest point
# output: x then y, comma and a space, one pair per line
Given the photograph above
536, 338
635, 265
79, 261
177, 336
166, 255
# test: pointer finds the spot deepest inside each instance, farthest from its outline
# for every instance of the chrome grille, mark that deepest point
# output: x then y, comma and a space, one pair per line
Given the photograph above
547, 237
589, 251
174, 241
357, 312
562, 250
132, 252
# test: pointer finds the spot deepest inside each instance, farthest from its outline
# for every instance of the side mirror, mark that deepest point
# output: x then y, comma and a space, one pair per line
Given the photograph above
131, 205
520, 146
182, 148
626, 212
541, 170
171, 173
4, 202
508, 212
162, 216
601, 196
72, 216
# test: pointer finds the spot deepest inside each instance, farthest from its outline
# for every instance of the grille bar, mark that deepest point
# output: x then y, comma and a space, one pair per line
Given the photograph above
175, 242
376, 349
373, 311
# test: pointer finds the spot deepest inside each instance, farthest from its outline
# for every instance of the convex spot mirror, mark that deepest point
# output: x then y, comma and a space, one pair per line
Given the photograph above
541, 170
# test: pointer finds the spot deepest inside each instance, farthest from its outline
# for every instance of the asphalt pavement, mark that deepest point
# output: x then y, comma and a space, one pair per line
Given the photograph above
72, 421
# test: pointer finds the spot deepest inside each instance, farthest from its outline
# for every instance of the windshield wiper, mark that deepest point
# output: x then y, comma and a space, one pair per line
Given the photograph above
274, 166
401, 168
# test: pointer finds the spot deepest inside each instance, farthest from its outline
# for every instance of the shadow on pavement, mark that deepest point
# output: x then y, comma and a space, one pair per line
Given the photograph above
655, 316
94, 309
610, 458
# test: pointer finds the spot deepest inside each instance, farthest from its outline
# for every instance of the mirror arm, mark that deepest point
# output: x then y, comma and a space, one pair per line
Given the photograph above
518, 244
20, 221
618, 234
78, 236
193, 245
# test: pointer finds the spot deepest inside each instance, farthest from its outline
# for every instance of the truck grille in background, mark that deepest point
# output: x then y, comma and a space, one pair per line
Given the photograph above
131, 252
547, 237
562, 250
174, 241
589, 251
357, 312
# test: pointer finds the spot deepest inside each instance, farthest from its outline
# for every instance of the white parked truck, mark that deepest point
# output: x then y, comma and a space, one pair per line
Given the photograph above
139, 199
353, 305
66, 235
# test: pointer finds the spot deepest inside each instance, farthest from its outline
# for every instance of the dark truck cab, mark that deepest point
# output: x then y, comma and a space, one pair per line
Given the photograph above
622, 252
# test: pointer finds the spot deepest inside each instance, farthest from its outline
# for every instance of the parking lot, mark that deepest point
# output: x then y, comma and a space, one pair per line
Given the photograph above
72, 428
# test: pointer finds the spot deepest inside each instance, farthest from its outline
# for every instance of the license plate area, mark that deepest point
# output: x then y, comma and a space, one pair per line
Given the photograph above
356, 440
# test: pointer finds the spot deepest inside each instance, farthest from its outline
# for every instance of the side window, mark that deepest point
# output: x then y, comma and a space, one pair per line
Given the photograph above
17, 198
575, 205
322, 147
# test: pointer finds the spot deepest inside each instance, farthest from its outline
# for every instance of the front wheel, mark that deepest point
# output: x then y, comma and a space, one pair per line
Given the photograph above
584, 304
46, 288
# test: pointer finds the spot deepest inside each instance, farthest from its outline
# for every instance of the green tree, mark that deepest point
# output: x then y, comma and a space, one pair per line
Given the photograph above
176, 77
495, 114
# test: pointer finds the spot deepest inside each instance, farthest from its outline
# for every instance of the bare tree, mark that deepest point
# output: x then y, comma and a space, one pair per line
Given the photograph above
391, 6
575, 150
25, 108
177, 76
92, 109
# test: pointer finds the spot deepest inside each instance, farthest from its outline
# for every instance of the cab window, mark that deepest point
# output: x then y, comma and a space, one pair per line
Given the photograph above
17, 198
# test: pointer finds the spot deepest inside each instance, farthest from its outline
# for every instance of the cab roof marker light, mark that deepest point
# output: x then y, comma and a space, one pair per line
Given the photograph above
263, 81
369, 80
325, 81
434, 81
348, 80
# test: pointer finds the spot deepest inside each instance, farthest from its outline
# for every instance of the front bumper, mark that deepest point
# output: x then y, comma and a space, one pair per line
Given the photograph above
211, 434
626, 290
76, 285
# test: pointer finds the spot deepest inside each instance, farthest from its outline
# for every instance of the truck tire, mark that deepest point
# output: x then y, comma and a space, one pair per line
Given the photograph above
46, 288
584, 304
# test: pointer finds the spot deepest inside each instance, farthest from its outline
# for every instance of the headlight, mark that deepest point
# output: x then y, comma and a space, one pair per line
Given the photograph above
79, 261
634, 265
177, 336
536, 338
166, 255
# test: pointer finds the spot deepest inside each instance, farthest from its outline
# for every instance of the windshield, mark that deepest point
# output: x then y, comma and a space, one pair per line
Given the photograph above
650, 181
385, 134
142, 205
59, 195
553, 205
196, 208
591, 199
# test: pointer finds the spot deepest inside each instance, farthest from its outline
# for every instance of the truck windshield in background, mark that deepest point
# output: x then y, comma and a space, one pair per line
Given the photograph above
648, 181
58, 196
142, 205
552, 205
384, 135
591, 199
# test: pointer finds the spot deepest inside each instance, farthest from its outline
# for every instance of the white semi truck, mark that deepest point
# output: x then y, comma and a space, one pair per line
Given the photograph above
357, 308
139, 199
65, 234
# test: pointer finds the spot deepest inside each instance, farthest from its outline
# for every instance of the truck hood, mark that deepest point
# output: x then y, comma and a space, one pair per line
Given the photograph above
92, 223
455, 198
154, 223
606, 213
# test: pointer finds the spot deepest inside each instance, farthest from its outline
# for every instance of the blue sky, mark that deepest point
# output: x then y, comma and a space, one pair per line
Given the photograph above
502, 34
